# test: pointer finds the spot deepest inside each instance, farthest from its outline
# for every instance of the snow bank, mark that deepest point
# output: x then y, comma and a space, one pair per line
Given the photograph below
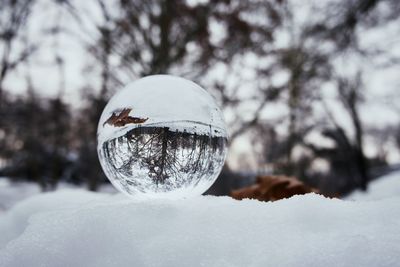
14, 192
385, 187
77, 228
11, 193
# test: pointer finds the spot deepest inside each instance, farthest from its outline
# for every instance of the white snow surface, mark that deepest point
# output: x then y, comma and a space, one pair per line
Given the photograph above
14, 192
167, 101
11, 193
78, 228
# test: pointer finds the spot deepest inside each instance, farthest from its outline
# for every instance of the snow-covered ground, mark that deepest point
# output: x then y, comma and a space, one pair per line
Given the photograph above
73, 227
12, 193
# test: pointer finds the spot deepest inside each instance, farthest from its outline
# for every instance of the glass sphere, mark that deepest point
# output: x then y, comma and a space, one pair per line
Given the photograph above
162, 136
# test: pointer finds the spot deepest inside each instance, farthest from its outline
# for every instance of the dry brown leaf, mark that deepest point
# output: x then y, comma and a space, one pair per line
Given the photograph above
123, 118
271, 188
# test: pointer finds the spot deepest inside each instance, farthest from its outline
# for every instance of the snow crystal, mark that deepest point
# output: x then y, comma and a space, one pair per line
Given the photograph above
76, 228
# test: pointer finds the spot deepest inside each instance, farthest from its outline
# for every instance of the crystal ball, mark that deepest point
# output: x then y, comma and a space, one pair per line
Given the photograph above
162, 136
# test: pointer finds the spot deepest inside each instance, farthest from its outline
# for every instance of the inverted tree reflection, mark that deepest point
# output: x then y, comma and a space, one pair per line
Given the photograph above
166, 158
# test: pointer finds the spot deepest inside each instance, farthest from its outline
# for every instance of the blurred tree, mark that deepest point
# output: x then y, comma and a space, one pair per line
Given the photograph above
13, 17
350, 93
31, 155
88, 168
37, 139
308, 70
342, 27
57, 139
160, 36
342, 19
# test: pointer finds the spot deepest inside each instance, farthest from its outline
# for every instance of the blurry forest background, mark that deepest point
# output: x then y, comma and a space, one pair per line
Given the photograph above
308, 88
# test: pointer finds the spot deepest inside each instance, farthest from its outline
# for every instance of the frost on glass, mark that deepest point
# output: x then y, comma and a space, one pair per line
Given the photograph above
162, 136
